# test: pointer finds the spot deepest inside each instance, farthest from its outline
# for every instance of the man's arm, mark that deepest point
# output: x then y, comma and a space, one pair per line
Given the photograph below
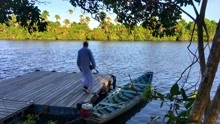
78, 61
92, 59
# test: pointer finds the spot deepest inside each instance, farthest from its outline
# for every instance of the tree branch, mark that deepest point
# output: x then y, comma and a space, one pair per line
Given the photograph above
194, 7
186, 13
179, 9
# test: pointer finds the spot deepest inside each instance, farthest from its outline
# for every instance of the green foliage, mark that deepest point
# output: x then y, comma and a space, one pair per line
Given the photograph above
27, 15
159, 16
152, 21
211, 27
148, 93
51, 122
179, 103
107, 31
45, 14
31, 119
174, 90
181, 106
101, 16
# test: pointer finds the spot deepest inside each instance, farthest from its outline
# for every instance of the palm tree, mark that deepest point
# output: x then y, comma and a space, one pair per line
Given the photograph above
13, 20
66, 22
108, 20
57, 17
87, 20
116, 21
70, 12
45, 15
81, 21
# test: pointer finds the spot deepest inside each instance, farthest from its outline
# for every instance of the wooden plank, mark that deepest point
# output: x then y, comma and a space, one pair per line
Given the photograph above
56, 90
9, 108
78, 99
63, 86
98, 80
47, 88
59, 90
95, 89
22, 77
34, 87
69, 89
21, 88
3, 115
18, 82
72, 98
81, 96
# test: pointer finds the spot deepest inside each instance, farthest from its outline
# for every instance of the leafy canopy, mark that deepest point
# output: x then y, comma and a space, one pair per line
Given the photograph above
160, 16
27, 15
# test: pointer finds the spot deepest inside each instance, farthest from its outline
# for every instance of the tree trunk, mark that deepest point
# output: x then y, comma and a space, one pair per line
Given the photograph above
207, 80
200, 24
203, 92
214, 109
201, 45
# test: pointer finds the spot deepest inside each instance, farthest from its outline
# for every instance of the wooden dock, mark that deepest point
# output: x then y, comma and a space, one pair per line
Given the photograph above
43, 88
9, 108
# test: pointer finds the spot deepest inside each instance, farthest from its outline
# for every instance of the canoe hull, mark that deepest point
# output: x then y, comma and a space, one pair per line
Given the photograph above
122, 103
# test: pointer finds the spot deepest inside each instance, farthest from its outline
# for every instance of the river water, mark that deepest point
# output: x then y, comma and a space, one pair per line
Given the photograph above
166, 59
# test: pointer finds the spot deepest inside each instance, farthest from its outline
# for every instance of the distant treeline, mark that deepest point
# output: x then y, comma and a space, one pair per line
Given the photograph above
106, 31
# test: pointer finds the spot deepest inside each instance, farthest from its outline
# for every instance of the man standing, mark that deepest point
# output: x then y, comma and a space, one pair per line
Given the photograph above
86, 62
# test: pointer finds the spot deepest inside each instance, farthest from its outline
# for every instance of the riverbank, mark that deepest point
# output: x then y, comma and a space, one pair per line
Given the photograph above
78, 31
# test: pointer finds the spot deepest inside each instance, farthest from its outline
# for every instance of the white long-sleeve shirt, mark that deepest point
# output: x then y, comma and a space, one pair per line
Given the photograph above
84, 60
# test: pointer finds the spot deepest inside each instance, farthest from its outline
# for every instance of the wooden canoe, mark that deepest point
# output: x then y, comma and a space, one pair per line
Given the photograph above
120, 100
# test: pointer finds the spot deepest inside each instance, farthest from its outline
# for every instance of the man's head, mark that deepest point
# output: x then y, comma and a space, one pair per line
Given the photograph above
85, 44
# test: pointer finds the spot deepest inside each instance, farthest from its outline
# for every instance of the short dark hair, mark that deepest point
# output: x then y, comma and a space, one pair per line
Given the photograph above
85, 44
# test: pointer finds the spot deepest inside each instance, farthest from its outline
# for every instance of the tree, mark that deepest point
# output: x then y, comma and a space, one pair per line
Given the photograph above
87, 20
211, 27
161, 17
45, 14
26, 13
57, 17
181, 30
66, 22
131, 13
70, 12
82, 20
211, 67
104, 23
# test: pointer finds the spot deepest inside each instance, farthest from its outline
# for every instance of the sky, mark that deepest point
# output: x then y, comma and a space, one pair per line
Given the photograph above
61, 7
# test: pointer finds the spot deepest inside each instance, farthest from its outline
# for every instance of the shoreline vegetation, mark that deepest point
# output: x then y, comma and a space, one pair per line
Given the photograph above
106, 31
